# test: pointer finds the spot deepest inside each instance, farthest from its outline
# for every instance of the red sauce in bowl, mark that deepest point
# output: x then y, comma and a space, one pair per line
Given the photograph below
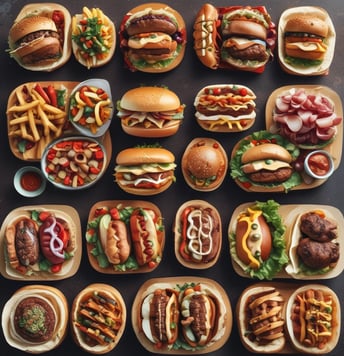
319, 164
30, 181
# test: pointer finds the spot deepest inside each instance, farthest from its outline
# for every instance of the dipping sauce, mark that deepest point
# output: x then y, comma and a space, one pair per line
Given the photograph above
319, 164
30, 181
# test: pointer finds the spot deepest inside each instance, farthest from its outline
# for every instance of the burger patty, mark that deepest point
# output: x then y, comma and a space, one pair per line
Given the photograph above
34, 320
264, 176
151, 23
256, 52
316, 254
34, 35
317, 227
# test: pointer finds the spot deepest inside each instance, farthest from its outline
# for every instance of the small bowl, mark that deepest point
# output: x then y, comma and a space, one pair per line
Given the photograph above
29, 182
74, 163
318, 172
74, 119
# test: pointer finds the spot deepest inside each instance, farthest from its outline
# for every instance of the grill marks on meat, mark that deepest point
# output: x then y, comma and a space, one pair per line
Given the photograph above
158, 314
26, 242
317, 227
316, 248
198, 311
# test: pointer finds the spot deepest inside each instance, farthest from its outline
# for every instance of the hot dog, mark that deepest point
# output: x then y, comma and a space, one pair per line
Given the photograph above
257, 242
159, 317
197, 233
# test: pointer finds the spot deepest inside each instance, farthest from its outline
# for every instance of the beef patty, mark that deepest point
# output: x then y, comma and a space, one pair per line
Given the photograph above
34, 319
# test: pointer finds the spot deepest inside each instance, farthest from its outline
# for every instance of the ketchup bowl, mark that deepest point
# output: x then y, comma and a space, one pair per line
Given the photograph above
29, 181
319, 164
74, 163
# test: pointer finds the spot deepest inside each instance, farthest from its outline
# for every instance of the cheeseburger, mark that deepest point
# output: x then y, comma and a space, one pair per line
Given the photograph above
204, 164
150, 111
305, 40
38, 38
145, 170
245, 32
153, 38
225, 108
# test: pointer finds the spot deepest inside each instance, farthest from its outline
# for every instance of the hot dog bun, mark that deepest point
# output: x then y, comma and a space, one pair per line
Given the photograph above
225, 107
37, 52
202, 252
150, 111
260, 317
101, 302
141, 165
52, 310
205, 36
204, 164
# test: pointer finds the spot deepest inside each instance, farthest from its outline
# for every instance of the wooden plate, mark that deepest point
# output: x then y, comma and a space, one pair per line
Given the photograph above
290, 214
93, 224
173, 283
286, 290
69, 267
322, 68
34, 154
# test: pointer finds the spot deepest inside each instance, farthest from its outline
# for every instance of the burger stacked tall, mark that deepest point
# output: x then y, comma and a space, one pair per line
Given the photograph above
245, 32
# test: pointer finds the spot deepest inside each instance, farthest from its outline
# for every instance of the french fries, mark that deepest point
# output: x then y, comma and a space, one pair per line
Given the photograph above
33, 119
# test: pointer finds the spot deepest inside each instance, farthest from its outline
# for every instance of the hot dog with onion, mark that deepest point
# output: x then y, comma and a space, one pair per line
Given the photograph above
257, 242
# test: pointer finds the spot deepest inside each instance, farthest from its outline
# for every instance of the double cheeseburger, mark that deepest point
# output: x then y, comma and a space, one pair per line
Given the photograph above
35, 319
153, 38
145, 170
245, 32
225, 108
264, 161
150, 111
38, 39
204, 164
257, 242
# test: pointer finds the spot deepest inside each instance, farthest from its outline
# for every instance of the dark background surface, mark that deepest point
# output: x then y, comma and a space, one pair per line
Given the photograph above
185, 80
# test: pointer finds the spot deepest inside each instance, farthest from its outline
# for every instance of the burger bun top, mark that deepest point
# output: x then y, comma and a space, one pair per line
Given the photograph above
247, 29
266, 151
307, 24
150, 99
144, 155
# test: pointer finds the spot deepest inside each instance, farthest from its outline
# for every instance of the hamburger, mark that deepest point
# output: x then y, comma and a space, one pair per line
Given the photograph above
257, 244
38, 38
204, 164
197, 234
313, 319
145, 170
260, 316
265, 162
245, 32
305, 40
152, 38
225, 108
150, 111
98, 317
35, 319
159, 317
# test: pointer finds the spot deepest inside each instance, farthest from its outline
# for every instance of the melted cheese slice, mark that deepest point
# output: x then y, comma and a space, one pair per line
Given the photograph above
139, 42
262, 164
307, 46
